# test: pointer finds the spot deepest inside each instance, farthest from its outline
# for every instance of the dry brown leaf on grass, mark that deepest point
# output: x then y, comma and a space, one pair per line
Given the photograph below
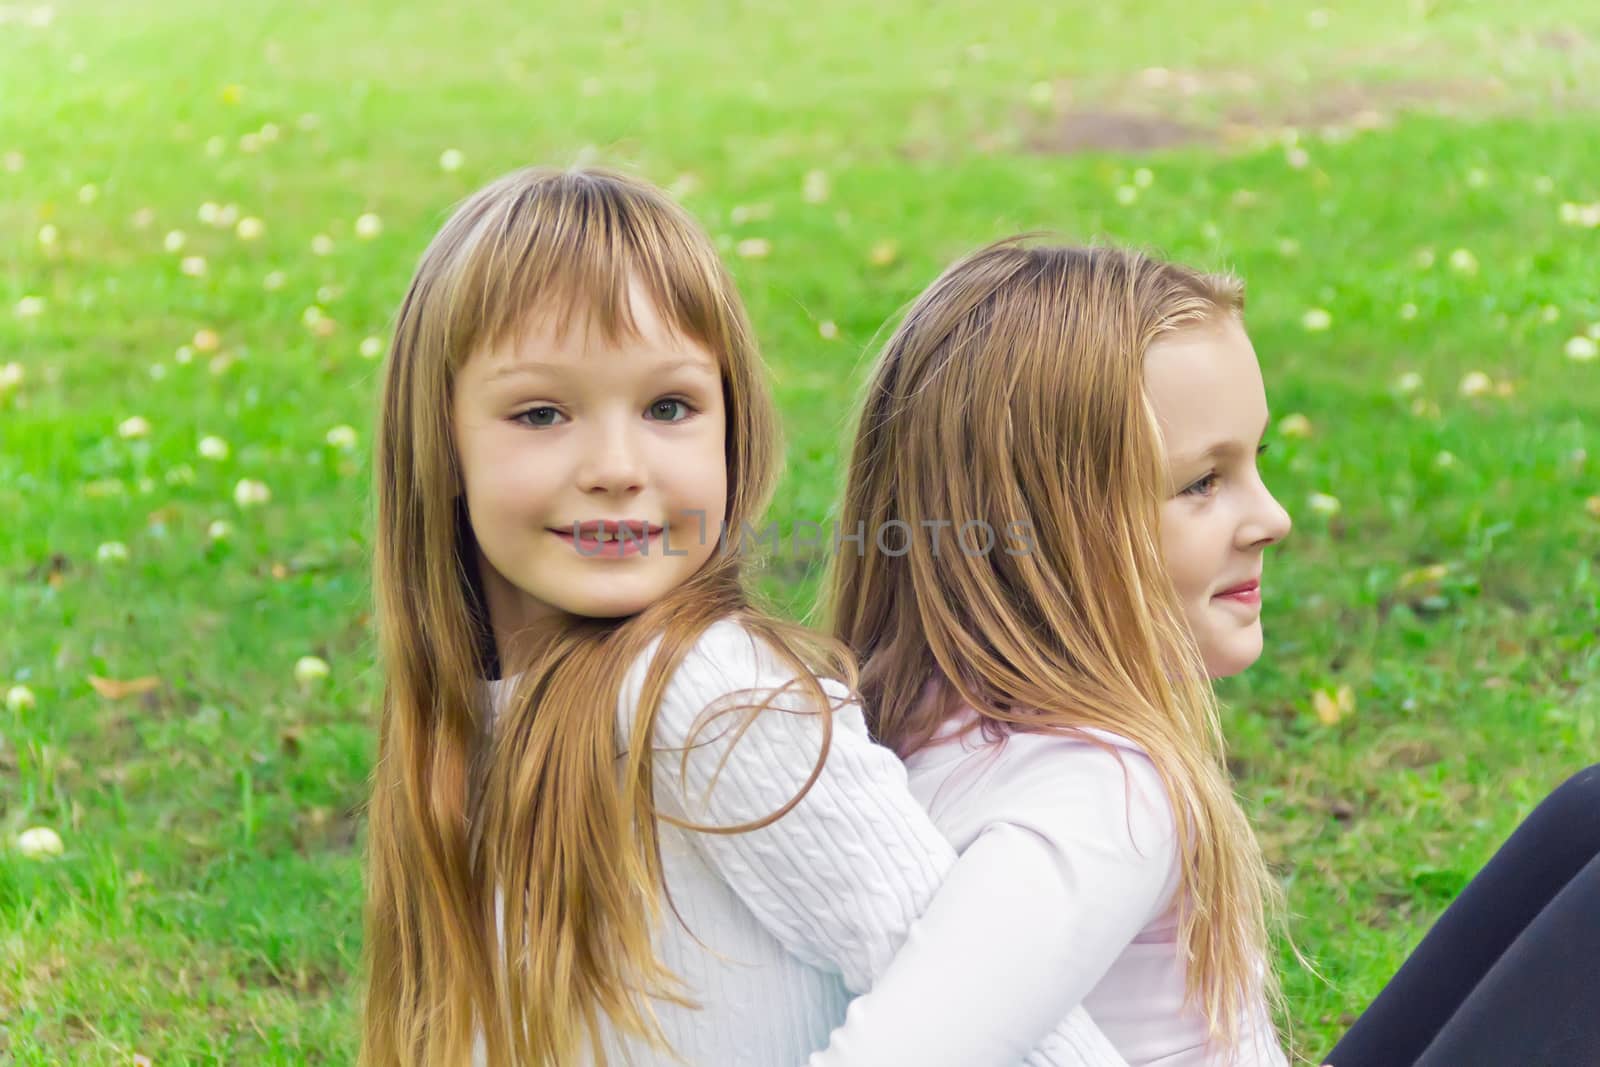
1331, 707
112, 689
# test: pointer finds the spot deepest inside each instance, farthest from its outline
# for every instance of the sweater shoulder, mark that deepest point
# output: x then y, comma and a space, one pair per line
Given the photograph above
729, 666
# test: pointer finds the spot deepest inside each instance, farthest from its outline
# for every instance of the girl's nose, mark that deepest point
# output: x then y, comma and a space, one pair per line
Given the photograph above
612, 463
1267, 523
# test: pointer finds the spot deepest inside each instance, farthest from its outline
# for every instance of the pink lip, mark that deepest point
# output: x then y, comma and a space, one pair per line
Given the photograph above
1243, 593
629, 538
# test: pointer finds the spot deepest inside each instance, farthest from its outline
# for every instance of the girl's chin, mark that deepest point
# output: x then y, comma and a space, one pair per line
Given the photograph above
1235, 655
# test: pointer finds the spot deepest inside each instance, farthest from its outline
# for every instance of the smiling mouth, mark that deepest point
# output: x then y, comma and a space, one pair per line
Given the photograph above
612, 540
605, 531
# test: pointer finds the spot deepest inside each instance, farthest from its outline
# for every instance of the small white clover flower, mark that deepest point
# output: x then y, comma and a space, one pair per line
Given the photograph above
250, 143
112, 552
1581, 348
828, 329
206, 340
48, 235
19, 698
1585, 215
743, 213
1462, 261
269, 132
1297, 157
341, 437
213, 448
208, 212
250, 493
312, 315
10, 377
1476, 383
814, 187
219, 530
39, 842
371, 347
273, 281
1126, 194
1144, 177
1323, 504
30, 307
250, 228
174, 241
193, 266
88, 194
1409, 382
1315, 320
135, 426
368, 226
215, 146
1444, 460
1408, 311
321, 245
450, 160
309, 670
754, 248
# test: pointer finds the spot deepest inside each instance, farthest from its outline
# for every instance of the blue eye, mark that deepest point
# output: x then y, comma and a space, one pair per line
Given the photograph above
538, 417
1204, 487
663, 410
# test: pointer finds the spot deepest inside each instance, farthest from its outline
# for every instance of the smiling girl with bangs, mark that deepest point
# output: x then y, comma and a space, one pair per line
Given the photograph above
585, 717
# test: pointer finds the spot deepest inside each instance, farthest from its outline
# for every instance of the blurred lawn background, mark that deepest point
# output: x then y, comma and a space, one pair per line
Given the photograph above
209, 213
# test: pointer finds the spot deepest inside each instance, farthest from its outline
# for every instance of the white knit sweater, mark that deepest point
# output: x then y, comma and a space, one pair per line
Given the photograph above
783, 924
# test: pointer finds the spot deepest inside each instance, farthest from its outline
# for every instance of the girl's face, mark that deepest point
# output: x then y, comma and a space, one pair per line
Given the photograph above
594, 473
1205, 386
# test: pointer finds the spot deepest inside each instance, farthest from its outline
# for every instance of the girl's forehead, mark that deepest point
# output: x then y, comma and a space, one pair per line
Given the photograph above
545, 345
1205, 380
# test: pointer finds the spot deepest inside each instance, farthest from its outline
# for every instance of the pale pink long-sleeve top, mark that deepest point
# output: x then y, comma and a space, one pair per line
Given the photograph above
1080, 867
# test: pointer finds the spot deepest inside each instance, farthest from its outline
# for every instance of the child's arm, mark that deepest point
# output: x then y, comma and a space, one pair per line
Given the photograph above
840, 879
1074, 862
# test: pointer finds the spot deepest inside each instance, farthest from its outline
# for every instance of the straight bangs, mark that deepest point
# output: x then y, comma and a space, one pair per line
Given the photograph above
564, 250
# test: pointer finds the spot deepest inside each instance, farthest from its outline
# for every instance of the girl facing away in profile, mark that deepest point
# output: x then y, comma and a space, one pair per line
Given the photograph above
620, 813
1053, 701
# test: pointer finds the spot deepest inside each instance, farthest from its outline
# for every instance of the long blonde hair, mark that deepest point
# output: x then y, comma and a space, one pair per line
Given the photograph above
1012, 394
554, 811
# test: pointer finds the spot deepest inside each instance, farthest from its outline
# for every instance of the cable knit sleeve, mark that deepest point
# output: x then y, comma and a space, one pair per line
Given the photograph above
841, 879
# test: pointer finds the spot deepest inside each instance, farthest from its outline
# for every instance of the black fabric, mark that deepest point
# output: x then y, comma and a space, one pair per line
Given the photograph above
1510, 974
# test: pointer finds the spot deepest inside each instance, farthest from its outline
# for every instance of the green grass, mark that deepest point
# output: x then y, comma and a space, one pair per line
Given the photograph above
207, 906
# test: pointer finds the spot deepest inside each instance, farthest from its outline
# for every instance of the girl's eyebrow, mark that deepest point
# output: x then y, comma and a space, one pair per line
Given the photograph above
1225, 448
